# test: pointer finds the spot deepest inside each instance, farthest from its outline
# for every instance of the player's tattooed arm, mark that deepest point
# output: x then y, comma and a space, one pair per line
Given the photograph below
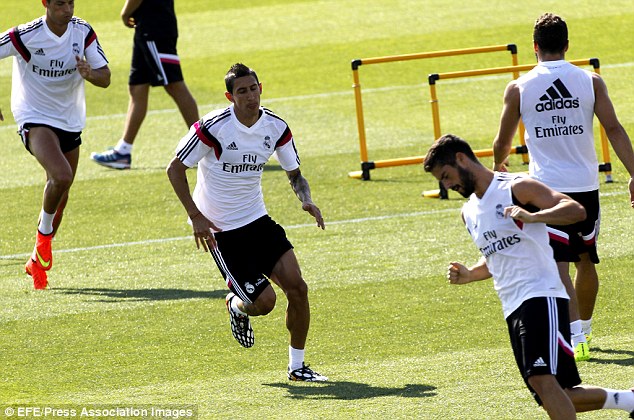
300, 187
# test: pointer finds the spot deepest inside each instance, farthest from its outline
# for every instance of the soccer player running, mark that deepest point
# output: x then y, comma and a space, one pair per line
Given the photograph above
506, 216
154, 63
557, 101
53, 56
228, 216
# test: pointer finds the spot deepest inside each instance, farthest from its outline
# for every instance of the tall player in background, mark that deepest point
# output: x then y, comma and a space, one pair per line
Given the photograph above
52, 57
228, 215
154, 63
557, 102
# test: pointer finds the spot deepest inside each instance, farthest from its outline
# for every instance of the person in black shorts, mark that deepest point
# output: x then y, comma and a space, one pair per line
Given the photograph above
154, 63
506, 216
54, 56
230, 147
557, 102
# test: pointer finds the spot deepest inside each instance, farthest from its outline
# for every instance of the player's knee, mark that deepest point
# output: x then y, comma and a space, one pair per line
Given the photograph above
297, 290
265, 303
542, 384
61, 181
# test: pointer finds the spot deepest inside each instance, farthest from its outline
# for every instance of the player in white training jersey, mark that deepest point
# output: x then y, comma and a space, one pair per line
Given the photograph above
228, 216
52, 57
557, 102
506, 216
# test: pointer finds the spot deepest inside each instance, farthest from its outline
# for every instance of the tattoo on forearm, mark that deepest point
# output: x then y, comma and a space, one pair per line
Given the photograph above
300, 186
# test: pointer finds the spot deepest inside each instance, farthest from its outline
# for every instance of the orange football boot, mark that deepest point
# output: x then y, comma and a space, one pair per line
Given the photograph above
42, 254
39, 276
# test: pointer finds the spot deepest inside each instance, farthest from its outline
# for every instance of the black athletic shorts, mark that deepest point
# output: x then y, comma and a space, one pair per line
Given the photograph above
68, 140
246, 256
569, 241
155, 62
540, 331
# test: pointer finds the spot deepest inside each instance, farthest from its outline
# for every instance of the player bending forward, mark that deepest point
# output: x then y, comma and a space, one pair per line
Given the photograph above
228, 215
504, 219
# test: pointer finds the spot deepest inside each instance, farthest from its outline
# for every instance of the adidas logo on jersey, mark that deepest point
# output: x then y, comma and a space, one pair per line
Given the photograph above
39, 52
556, 97
232, 146
539, 363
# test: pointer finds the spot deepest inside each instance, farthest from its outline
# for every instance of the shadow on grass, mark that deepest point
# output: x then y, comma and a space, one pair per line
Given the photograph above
142, 295
351, 391
624, 357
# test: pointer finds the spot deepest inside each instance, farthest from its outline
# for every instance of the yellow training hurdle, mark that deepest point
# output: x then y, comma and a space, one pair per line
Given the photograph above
367, 165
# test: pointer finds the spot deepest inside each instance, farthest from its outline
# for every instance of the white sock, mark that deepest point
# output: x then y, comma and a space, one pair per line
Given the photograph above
576, 333
295, 358
123, 147
586, 326
46, 223
619, 400
234, 306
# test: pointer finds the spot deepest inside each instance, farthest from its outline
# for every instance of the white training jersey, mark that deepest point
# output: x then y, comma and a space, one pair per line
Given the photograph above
517, 254
231, 158
557, 108
47, 87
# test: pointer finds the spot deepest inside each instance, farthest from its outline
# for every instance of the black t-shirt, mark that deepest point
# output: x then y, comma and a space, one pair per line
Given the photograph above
156, 19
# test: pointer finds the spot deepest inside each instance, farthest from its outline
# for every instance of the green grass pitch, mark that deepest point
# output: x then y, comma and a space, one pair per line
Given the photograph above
135, 315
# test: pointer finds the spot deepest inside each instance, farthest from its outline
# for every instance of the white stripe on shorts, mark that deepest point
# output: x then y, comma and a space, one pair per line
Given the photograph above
553, 336
156, 56
217, 255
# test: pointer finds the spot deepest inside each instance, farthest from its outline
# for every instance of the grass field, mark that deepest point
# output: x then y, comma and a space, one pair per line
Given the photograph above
135, 315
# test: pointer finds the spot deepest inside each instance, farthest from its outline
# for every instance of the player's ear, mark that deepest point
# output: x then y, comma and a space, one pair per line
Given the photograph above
44, 3
229, 96
260, 85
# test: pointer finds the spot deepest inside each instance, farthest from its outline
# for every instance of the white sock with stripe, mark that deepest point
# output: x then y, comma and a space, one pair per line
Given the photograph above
576, 333
619, 400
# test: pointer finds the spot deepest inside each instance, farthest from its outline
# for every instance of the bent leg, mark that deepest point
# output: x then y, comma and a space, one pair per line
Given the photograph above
586, 398
554, 400
287, 275
60, 168
262, 305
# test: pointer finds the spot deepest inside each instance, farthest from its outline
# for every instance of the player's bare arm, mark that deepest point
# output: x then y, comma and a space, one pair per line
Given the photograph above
99, 77
300, 186
509, 121
1, 116
202, 227
617, 135
126, 13
459, 274
555, 208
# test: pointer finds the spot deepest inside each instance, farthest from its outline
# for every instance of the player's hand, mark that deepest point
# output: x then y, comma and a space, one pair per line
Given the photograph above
630, 184
458, 273
1, 116
500, 167
128, 21
83, 68
518, 213
204, 232
315, 212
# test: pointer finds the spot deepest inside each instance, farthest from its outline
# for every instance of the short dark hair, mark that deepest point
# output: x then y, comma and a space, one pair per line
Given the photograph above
443, 152
236, 71
550, 33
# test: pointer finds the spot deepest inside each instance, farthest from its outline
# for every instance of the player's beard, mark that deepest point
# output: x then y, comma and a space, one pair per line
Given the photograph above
467, 182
